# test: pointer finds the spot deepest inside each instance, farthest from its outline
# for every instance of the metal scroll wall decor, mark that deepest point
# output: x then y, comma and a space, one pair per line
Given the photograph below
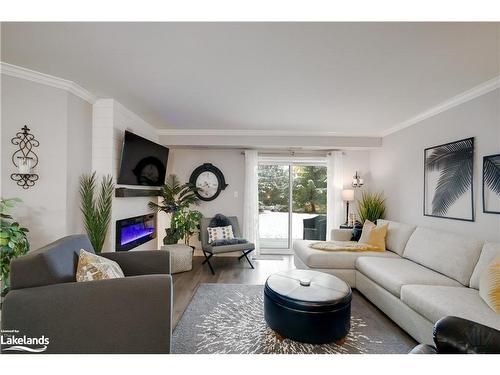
25, 159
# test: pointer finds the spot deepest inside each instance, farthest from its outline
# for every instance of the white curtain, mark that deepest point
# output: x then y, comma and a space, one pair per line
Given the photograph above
251, 201
335, 184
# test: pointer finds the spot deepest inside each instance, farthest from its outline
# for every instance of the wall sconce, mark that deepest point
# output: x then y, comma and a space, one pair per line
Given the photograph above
357, 181
25, 158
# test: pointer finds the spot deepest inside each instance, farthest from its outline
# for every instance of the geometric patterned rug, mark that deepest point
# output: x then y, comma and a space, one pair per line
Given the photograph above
229, 318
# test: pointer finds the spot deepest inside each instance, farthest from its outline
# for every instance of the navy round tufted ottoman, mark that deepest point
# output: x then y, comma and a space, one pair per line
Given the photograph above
308, 306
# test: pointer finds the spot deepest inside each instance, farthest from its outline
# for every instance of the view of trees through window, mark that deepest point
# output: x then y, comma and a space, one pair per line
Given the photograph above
308, 188
308, 198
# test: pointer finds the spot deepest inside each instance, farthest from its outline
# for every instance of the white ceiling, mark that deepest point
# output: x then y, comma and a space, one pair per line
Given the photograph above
346, 78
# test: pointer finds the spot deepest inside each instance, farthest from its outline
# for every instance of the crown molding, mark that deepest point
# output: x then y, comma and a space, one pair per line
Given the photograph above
257, 133
454, 101
75, 89
46, 79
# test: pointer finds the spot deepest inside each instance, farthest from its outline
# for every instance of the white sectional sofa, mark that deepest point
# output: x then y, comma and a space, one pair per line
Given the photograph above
424, 275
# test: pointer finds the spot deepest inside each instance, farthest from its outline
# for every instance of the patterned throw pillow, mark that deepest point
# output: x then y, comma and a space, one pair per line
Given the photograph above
93, 267
489, 285
220, 233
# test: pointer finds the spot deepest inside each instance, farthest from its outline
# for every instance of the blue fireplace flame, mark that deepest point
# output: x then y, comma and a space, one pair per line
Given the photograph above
133, 232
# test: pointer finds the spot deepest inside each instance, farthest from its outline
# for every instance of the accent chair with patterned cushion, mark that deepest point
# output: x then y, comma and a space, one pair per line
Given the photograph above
209, 249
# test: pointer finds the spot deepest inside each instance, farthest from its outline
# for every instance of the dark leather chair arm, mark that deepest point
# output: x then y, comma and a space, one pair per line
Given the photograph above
453, 335
134, 263
126, 315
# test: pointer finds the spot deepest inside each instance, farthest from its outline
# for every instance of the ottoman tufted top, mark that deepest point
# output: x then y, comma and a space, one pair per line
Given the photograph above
308, 290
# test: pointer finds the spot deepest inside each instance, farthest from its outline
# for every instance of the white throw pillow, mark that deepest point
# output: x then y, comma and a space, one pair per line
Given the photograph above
220, 233
93, 267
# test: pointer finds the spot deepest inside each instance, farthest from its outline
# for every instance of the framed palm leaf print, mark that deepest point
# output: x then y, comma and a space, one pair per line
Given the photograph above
448, 180
491, 184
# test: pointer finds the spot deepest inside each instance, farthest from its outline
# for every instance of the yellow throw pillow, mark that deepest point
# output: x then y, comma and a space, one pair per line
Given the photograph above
374, 235
93, 267
489, 285
365, 233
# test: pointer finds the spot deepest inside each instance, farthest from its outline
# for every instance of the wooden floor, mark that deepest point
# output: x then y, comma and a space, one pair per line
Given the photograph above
228, 270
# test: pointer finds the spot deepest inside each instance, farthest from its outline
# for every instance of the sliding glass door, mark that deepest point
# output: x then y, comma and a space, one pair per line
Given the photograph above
292, 203
274, 206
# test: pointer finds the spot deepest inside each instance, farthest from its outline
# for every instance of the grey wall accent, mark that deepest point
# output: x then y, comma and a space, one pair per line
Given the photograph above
397, 168
60, 121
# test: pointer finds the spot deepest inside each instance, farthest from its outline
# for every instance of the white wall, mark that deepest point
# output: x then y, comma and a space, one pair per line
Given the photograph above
110, 120
61, 122
79, 159
397, 168
231, 162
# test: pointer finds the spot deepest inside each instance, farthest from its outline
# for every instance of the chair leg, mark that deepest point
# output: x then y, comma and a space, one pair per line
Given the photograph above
246, 257
207, 260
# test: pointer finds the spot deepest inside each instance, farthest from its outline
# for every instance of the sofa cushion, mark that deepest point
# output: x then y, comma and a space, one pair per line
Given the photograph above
398, 235
393, 273
448, 253
435, 302
229, 248
315, 258
490, 251
51, 264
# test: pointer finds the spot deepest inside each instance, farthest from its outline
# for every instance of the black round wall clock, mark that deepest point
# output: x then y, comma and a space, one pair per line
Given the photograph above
209, 180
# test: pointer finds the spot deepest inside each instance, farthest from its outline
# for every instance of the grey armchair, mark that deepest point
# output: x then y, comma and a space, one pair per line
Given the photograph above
209, 251
126, 315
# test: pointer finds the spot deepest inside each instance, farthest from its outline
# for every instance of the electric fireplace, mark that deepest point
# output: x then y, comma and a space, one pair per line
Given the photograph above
135, 231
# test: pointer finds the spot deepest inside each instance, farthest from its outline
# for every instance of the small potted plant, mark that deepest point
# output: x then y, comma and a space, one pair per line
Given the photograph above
13, 241
177, 199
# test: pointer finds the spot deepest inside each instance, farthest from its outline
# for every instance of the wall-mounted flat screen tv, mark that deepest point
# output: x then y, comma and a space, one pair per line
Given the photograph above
143, 162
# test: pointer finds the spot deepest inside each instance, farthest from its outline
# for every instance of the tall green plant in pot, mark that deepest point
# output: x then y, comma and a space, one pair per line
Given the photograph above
96, 210
176, 200
371, 207
13, 241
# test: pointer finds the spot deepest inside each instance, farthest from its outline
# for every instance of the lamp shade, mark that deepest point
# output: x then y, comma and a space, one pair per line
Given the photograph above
348, 195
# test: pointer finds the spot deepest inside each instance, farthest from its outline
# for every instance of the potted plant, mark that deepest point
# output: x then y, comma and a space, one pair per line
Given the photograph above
177, 199
371, 207
96, 210
13, 241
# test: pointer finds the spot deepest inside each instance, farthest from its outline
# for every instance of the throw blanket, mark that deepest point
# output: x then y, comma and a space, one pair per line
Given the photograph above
344, 246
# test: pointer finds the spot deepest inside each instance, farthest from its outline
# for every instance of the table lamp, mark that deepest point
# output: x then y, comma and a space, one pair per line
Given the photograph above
347, 196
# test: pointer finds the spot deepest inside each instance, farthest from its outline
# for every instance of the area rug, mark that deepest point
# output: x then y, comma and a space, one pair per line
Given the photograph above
229, 318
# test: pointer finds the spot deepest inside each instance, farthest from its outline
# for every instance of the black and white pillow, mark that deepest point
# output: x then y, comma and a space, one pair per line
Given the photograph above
220, 233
